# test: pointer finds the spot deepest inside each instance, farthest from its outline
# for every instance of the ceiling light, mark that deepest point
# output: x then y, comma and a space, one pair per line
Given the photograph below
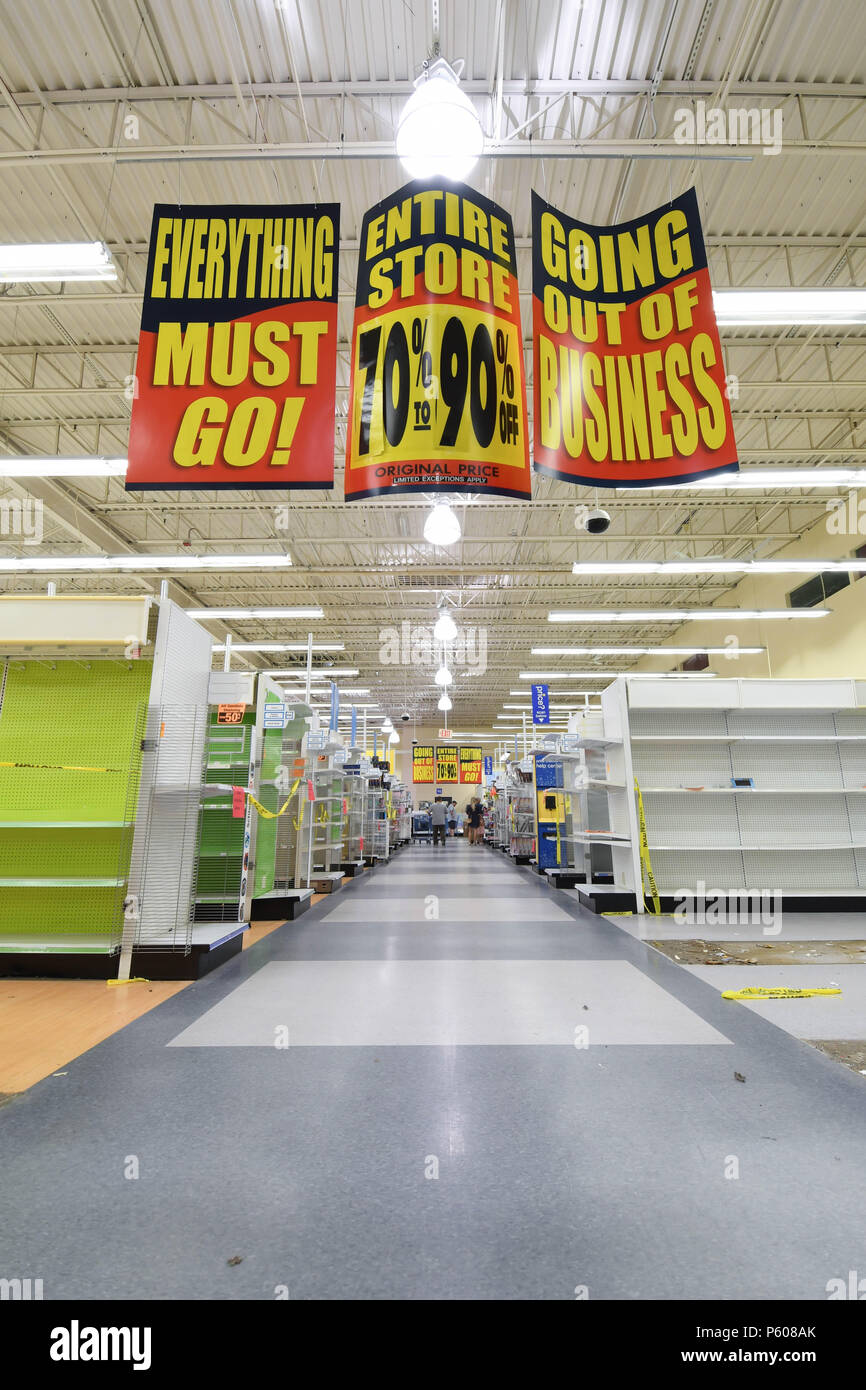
393, 736
681, 615
62, 468
61, 260
280, 647
300, 674
612, 675
445, 704
719, 567
439, 133
744, 307
764, 479
354, 690
644, 651
95, 563
241, 614
443, 676
442, 526
445, 629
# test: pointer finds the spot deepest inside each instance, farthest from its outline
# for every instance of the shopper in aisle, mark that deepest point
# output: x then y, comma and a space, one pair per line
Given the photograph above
452, 819
438, 813
473, 815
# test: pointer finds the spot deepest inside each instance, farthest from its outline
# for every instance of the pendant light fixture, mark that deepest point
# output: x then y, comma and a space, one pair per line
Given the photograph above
439, 134
442, 526
445, 629
443, 676
445, 704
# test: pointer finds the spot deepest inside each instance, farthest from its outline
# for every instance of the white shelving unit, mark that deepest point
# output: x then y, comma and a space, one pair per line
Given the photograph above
799, 829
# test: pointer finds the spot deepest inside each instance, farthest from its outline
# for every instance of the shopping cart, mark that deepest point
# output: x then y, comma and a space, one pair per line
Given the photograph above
422, 826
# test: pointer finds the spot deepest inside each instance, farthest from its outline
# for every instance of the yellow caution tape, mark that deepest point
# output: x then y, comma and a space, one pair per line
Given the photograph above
771, 992
263, 810
645, 861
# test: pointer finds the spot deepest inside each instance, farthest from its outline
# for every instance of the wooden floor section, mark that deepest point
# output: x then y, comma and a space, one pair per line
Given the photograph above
46, 1023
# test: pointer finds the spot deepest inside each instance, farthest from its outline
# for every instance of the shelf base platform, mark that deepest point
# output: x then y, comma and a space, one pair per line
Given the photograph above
287, 903
605, 897
352, 867
564, 878
90, 958
326, 881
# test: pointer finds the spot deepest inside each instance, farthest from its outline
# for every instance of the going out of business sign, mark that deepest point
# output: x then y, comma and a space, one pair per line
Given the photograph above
629, 382
423, 762
236, 378
437, 383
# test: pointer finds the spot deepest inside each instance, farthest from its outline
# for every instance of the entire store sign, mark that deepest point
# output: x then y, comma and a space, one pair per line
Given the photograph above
423, 763
470, 765
236, 376
629, 382
437, 386
446, 764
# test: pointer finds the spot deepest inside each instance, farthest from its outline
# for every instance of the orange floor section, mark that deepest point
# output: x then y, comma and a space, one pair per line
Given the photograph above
46, 1023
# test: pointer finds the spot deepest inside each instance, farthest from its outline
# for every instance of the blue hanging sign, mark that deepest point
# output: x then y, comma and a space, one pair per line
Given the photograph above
540, 704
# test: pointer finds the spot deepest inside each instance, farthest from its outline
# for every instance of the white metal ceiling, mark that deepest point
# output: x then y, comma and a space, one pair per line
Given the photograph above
262, 100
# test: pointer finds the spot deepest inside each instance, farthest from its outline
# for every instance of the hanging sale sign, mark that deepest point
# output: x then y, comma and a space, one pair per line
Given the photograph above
237, 356
446, 764
629, 382
437, 391
470, 765
423, 763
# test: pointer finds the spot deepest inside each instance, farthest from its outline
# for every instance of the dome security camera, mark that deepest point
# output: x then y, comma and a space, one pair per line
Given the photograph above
405, 718
597, 521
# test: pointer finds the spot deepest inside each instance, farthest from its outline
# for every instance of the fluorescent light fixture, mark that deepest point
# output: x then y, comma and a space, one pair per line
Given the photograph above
765, 479
439, 133
682, 615
354, 690
554, 709
318, 673
241, 614
442, 526
644, 651
60, 260
280, 647
31, 467
854, 566
94, 564
612, 675
746, 307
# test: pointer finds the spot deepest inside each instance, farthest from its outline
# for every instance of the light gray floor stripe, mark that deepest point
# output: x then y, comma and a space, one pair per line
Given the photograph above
447, 1003
470, 909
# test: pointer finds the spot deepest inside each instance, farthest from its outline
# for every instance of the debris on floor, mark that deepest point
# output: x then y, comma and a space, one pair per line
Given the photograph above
698, 952
851, 1054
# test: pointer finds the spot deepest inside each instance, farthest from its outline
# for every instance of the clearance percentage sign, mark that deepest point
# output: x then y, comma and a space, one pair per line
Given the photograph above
466, 369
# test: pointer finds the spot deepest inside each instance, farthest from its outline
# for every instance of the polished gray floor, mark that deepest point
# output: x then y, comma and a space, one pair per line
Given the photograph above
441, 1107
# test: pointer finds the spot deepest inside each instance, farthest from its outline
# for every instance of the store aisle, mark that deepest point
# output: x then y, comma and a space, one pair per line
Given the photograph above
446, 1081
